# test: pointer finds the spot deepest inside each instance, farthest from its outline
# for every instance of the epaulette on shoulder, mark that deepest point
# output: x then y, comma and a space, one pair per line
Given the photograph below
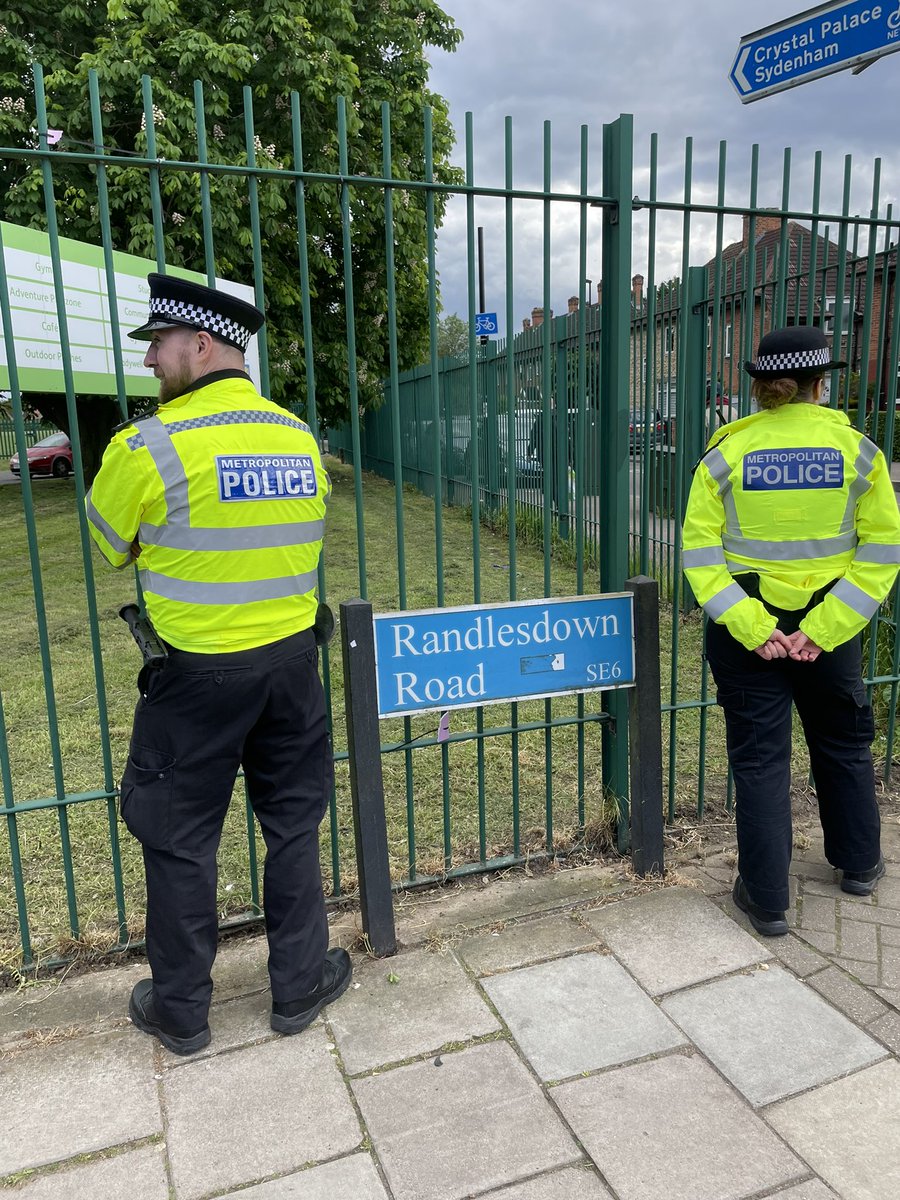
138, 416
713, 444
864, 437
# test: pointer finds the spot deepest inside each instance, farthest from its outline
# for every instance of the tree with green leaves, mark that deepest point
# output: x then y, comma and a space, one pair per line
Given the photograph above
453, 337
368, 51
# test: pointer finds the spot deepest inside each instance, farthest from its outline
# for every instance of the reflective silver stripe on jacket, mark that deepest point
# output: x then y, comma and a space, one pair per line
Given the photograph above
117, 543
190, 591
865, 460
790, 551
171, 471
253, 537
238, 417
878, 552
720, 470
861, 602
706, 556
719, 604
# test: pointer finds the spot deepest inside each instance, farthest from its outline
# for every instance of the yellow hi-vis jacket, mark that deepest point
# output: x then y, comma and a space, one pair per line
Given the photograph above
798, 496
224, 493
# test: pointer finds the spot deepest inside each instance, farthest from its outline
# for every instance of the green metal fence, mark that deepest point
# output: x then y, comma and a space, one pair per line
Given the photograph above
563, 452
688, 337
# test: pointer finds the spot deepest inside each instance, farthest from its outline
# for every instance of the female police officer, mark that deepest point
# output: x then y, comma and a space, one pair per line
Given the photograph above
791, 543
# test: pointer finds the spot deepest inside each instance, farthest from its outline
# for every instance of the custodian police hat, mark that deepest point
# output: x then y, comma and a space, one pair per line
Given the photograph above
796, 350
178, 302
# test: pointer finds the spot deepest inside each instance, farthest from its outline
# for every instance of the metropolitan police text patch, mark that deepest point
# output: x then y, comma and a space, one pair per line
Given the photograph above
266, 476
794, 469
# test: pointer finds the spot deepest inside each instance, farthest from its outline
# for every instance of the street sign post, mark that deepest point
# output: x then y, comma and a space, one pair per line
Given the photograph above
409, 663
832, 37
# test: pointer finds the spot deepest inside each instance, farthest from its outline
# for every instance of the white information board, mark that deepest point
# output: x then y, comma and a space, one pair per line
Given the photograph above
35, 315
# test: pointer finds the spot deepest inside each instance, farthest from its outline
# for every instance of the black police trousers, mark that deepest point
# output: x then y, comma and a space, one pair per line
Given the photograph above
200, 717
838, 725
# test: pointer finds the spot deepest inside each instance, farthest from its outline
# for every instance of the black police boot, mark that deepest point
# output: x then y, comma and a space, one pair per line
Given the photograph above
768, 922
862, 883
143, 1014
297, 1014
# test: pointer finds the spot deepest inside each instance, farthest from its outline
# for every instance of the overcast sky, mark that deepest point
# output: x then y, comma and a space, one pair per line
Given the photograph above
583, 62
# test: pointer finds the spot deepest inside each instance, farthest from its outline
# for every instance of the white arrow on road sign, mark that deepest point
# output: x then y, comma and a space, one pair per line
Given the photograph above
738, 74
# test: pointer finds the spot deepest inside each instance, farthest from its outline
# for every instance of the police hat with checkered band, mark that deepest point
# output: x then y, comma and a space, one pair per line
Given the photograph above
178, 303
797, 350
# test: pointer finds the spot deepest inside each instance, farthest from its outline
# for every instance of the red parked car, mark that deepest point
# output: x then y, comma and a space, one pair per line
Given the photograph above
52, 455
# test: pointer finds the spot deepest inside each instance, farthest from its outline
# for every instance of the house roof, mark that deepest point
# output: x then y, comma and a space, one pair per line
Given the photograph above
801, 248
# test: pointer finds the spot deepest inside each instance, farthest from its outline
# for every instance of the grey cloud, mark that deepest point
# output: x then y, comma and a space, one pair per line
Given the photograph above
580, 63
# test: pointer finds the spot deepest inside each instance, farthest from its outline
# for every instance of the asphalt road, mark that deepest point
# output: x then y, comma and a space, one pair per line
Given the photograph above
8, 477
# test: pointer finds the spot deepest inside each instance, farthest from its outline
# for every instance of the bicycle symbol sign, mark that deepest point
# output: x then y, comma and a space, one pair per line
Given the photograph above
486, 324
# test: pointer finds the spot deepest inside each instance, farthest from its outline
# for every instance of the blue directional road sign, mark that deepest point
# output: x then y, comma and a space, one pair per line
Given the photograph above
486, 325
435, 659
832, 37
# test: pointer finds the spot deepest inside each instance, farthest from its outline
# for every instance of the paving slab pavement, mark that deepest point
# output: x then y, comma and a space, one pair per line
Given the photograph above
672, 1129
576, 1036
849, 1131
579, 1014
770, 1034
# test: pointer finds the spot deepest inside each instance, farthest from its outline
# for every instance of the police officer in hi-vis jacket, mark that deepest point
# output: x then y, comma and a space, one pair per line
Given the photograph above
220, 497
791, 543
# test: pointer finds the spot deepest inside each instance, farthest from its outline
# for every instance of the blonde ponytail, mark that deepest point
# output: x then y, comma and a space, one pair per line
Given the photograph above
774, 393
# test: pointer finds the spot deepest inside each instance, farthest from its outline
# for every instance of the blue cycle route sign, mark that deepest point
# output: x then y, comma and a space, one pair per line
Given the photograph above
435, 659
831, 37
486, 325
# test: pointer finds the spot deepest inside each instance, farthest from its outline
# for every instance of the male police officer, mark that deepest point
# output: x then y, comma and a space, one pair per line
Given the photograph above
220, 497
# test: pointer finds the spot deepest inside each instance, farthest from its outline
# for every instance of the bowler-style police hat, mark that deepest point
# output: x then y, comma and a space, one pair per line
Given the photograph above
796, 350
180, 303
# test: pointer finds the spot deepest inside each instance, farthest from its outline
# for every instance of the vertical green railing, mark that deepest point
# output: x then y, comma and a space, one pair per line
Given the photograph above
528, 436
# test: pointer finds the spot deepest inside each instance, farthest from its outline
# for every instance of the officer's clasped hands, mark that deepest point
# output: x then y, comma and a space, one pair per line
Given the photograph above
777, 645
796, 646
803, 649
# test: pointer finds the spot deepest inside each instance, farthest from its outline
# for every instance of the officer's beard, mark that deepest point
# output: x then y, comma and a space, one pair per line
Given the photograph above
177, 380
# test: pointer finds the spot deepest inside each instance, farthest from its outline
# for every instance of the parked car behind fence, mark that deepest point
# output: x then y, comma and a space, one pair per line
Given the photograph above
52, 455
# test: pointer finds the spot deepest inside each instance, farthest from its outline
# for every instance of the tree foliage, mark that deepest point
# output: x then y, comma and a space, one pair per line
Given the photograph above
368, 51
453, 337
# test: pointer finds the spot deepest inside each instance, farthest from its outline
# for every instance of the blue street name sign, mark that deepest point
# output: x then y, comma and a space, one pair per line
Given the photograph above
440, 658
831, 37
486, 324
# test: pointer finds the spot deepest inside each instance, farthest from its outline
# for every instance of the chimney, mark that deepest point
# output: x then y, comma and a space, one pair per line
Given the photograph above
537, 317
573, 305
637, 290
765, 223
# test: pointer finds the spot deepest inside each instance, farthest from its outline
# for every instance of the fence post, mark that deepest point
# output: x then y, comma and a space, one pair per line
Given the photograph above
366, 781
560, 440
645, 733
615, 334
692, 424
493, 449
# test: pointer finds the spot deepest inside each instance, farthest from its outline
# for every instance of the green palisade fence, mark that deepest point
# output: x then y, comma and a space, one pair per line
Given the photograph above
553, 461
